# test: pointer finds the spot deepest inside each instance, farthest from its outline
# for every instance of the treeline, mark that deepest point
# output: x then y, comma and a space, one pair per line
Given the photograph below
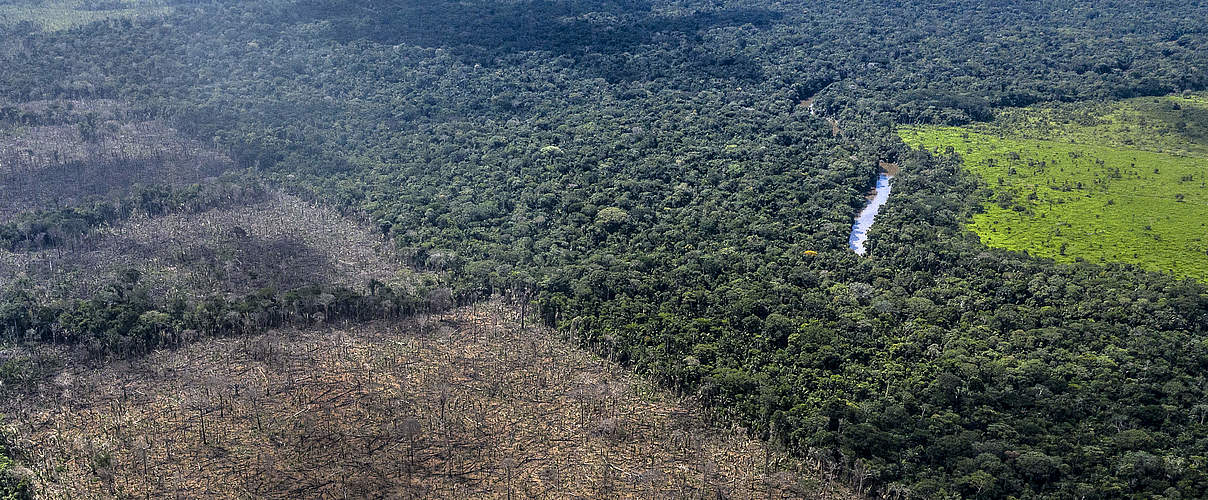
48, 229
912, 61
124, 321
13, 484
935, 363
692, 222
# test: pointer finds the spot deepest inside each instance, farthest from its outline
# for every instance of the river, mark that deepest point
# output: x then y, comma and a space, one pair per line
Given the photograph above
859, 230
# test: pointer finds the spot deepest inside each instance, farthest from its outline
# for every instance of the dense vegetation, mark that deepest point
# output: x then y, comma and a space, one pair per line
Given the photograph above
1124, 186
12, 486
662, 181
123, 320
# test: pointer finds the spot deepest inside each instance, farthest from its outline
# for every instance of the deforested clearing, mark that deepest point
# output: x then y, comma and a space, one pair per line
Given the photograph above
61, 153
467, 404
281, 242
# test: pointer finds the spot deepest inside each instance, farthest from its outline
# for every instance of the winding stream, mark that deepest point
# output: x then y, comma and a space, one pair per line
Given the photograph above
859, 230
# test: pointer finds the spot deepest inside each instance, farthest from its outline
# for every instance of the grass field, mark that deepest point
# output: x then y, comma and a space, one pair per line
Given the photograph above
55, 15
1112, 182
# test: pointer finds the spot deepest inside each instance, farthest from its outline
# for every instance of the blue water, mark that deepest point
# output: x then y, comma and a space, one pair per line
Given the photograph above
859, 230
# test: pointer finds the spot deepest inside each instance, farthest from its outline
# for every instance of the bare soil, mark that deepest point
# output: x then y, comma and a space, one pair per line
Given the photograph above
890, 169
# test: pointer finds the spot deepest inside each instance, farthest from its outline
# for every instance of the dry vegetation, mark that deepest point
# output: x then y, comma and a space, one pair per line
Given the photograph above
465, 406
282, 242
468, 405
60, 153
64, 14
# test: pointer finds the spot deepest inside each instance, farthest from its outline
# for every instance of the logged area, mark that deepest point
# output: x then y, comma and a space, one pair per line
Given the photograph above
1126, 182
255, 240
464, 404
65, 14
62, 153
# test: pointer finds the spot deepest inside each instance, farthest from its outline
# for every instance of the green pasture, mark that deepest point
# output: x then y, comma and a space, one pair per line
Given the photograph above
1114, 182
1171, 124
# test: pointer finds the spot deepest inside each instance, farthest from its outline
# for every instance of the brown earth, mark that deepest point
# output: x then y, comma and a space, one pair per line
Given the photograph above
466, 406
890, 169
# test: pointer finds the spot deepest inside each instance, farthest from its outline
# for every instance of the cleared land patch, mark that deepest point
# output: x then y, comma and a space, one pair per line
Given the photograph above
1120, 182
1170, 124
465, 405
280, 242
57, 154
56, 15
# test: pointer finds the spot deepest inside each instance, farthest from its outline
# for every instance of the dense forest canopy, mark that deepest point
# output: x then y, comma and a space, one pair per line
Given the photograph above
673, 182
